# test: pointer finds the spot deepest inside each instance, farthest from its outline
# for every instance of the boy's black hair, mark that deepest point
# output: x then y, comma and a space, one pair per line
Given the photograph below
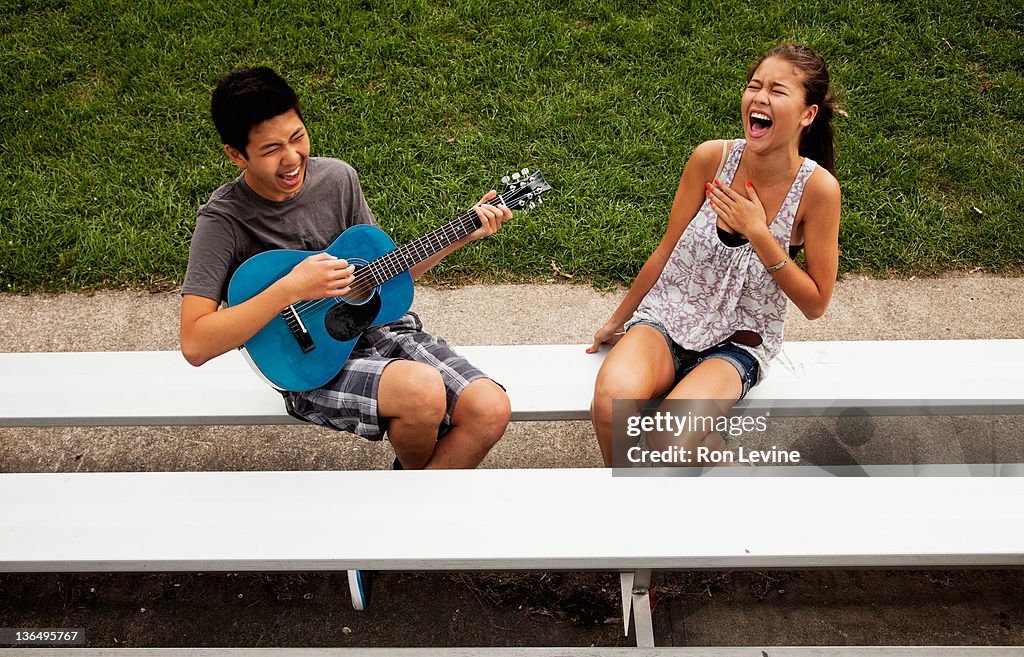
246, 98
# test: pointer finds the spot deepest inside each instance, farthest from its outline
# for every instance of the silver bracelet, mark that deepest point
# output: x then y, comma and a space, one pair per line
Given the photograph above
779, 266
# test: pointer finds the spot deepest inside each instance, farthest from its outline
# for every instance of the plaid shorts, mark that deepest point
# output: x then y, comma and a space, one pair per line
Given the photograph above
348, 402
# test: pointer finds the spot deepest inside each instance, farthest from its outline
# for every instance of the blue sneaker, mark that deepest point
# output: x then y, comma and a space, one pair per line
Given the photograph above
359, 584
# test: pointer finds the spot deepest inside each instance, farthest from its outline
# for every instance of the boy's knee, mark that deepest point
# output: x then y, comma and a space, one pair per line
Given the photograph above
484, 407
419, 395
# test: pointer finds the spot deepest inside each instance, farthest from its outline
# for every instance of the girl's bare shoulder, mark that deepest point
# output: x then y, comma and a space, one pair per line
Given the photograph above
706, 157
822, 190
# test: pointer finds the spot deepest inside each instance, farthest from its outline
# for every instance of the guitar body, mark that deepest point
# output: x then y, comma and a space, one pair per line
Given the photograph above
294, 358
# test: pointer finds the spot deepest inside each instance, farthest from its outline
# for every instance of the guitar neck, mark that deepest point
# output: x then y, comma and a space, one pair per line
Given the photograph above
405, 257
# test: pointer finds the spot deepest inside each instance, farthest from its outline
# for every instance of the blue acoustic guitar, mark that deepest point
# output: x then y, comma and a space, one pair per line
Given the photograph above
308, 343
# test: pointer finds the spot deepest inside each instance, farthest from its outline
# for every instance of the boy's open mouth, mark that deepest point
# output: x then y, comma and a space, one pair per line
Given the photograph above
291, 178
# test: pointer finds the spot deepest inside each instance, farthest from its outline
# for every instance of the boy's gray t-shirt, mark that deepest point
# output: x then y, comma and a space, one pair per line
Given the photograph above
236, 223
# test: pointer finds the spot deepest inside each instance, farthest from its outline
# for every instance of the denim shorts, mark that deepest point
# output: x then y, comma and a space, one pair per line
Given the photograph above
685, 360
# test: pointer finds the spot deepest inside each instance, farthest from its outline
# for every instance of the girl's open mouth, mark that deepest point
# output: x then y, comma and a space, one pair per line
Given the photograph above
760, 124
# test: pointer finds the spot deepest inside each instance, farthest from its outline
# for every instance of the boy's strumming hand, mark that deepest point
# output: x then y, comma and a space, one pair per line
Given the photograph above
320, 276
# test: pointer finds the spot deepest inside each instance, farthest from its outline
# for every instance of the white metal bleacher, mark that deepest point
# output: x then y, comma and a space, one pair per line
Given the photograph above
544, 382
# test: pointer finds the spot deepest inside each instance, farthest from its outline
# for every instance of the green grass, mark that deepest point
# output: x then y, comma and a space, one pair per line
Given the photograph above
106, 149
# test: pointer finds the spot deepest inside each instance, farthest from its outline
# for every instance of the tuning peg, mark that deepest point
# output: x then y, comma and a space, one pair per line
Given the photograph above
505, 180
515, 176
526, 172
533, 205
540, 201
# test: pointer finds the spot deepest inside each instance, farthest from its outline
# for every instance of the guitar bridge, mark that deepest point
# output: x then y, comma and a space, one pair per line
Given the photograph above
298, 329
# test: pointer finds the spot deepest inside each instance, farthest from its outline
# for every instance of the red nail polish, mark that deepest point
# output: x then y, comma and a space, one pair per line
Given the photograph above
748, 184
717, 183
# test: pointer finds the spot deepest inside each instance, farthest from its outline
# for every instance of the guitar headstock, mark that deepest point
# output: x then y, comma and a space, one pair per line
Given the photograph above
523, 189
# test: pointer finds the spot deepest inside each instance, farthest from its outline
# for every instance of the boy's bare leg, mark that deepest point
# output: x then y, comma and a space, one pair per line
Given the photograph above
481, 414
412, 396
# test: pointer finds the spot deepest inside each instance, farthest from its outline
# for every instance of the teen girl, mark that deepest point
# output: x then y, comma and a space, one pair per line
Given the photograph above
705, 314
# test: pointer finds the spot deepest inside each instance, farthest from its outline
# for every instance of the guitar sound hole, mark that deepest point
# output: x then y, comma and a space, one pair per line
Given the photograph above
346, 322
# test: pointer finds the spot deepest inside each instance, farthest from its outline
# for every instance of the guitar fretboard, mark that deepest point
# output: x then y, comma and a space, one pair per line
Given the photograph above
403, 258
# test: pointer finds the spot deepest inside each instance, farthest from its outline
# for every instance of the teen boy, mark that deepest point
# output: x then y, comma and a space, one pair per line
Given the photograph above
399, 379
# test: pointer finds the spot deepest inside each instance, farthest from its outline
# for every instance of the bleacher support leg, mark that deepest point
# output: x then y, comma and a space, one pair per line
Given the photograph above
636, 604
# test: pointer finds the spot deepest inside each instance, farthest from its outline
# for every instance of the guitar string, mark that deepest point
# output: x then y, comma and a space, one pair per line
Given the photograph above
363, 283
364, 278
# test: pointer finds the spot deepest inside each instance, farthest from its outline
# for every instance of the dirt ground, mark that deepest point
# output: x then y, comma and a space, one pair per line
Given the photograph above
523, 609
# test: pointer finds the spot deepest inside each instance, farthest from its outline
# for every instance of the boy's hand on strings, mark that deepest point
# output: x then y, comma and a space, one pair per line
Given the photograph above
320, 276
